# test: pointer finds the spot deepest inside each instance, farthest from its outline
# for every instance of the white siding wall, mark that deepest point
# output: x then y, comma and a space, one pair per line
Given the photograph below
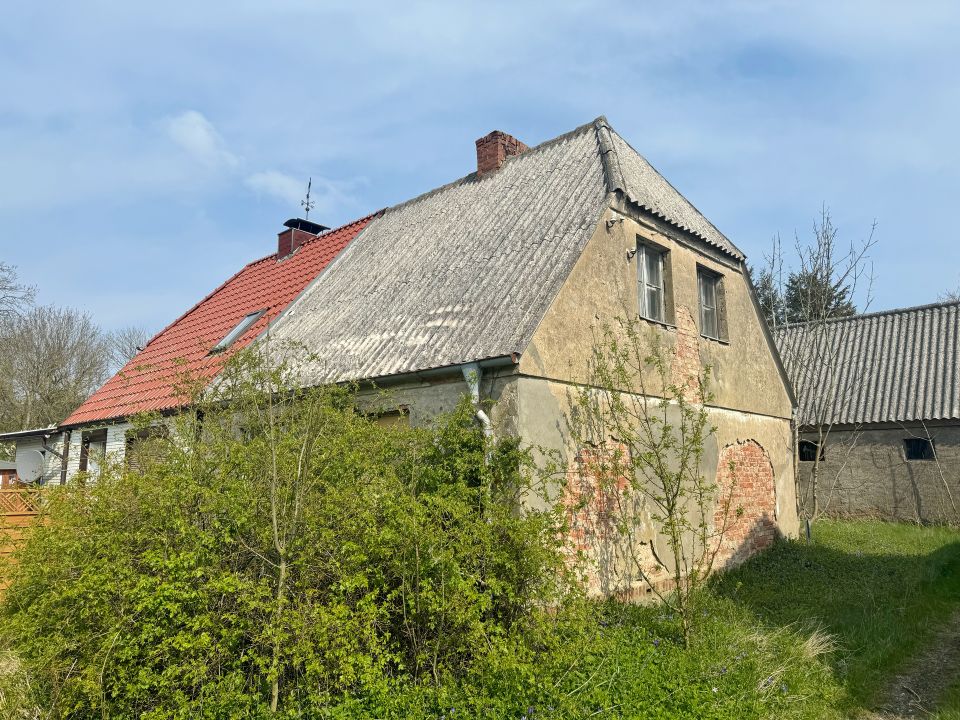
116, 444
51, 472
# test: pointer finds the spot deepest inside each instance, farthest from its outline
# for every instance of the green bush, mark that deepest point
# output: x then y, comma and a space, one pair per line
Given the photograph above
283, 554
287, 552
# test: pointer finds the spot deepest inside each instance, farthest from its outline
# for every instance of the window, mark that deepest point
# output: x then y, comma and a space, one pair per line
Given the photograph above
239, 330
713, 321
807, 451
918, 449
650, 284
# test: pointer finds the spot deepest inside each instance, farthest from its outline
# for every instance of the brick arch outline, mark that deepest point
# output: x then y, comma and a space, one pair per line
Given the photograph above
753, 485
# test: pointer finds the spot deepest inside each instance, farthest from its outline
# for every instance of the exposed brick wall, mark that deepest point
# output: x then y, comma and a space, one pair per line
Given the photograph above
494, 149
591, 495
687, 366
747, 503
290, 239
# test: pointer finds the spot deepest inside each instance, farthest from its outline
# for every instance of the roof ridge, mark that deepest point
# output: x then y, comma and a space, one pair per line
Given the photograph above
876, 313
513, 158
321, 236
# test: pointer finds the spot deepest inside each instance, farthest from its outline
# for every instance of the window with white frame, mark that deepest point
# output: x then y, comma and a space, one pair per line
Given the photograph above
650, 282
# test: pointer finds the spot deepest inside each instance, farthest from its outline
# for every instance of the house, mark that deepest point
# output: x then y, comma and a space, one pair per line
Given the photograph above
880, 412
492, 286
191, 350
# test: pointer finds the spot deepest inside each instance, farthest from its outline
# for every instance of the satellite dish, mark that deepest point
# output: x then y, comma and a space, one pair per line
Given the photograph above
30, 465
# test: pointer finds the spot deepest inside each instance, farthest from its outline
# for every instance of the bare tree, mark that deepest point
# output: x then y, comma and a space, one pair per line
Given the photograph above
51, 359
812, 352
125, 343
14, 296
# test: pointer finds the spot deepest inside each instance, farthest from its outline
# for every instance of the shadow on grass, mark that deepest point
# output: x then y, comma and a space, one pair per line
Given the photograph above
880, 589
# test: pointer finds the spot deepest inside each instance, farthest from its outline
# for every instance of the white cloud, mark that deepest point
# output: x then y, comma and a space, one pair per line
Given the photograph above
328, 196
198, 137
278, 185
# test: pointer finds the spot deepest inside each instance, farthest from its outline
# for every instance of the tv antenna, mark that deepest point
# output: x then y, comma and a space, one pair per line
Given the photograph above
307, 202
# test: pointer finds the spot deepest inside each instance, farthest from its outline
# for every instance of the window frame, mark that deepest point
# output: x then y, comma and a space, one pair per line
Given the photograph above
928, 453
246, 322
715, 280
645, 249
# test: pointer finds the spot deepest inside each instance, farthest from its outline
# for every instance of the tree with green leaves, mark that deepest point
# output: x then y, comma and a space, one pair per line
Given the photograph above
658, 515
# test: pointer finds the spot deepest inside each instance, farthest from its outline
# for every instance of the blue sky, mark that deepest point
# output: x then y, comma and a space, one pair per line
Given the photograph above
149, 150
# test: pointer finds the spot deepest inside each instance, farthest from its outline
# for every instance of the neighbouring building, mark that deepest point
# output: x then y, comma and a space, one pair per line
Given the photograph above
492, 286
879, 412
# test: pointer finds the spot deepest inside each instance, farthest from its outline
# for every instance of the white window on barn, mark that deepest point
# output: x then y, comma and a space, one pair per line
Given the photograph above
245, 324
713, 321
651, 287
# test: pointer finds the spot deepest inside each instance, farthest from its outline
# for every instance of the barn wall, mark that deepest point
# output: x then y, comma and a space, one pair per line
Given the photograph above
865, 473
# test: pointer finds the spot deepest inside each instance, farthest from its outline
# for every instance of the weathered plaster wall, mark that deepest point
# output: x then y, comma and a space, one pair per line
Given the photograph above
765, 485
866, 473
424, 400
603, 287
751, 407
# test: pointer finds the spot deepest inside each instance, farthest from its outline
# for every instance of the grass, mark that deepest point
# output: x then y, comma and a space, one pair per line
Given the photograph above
879, 589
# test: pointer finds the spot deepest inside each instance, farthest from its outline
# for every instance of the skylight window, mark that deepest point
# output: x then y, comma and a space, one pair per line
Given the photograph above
237, 332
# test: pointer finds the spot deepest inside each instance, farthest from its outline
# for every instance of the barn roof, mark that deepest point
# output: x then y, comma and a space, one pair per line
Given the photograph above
467, 271
893, 366
153, 380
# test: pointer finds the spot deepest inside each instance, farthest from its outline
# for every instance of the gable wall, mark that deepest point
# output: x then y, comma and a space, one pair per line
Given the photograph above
751, 411
603, 287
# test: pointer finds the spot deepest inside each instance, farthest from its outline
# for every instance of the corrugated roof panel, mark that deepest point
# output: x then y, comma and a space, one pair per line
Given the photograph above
641, 182
467, 271
462, 273
894, 366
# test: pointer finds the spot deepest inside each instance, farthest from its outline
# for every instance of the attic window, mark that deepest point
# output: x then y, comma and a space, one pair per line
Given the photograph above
918, 449
650, 281
713, 315
238, 331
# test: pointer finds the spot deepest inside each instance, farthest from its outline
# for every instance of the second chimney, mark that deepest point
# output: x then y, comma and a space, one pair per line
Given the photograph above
494, 149
298, 232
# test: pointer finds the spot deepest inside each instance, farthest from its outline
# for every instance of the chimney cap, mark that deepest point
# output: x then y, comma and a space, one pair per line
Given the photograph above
305, 225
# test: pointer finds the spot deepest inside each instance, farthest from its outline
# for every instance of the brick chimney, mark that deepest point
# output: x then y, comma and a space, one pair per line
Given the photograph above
494, 149
297, 233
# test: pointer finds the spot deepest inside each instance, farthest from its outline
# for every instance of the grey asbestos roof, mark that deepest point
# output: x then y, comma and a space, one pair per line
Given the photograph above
467, 271
894, 366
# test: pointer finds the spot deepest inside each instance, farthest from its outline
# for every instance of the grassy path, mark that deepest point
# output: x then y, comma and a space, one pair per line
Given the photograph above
885, 592
919, 688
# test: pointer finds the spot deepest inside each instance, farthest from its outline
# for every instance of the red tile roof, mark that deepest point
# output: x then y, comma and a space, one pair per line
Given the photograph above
149, 381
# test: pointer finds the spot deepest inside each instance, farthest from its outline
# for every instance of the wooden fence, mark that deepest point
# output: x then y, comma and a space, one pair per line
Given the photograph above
18, 510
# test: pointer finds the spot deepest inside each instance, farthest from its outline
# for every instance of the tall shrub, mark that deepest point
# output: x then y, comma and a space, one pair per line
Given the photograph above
279, 551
